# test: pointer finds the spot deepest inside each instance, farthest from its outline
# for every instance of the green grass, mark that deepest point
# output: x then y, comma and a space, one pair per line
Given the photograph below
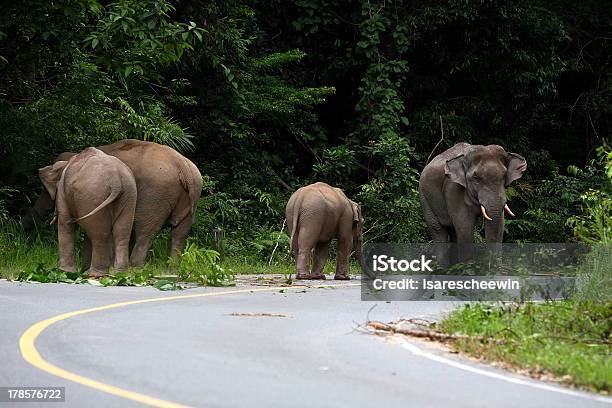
21, 252
569, 340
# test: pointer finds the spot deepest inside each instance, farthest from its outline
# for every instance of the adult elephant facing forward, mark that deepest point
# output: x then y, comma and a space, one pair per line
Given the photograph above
168, 187
463, 183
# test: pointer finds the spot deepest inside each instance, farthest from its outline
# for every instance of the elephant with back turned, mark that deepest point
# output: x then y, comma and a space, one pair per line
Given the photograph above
98, 192
168, 184
463, 183
316, 214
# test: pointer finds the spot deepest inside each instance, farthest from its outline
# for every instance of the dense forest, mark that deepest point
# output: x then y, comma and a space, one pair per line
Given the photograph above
266, 96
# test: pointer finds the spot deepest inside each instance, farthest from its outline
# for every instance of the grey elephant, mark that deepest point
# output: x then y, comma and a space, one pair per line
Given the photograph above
316, 214
169, 187
98, 192
466, 182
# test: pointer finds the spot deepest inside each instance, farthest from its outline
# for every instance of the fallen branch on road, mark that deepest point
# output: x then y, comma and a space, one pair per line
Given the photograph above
396, 328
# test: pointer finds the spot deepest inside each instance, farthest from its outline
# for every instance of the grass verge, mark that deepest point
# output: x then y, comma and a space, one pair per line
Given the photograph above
36, 256
567, 341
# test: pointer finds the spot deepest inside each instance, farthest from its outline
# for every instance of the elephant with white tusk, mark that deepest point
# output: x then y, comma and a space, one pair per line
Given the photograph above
464, 182
316, 214
98, 192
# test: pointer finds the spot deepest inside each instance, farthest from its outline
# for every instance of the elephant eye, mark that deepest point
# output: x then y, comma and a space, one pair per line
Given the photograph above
475, 177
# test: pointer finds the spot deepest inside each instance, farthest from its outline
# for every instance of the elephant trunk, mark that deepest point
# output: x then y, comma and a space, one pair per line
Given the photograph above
492, 205
43, 206
358, 245
494, 228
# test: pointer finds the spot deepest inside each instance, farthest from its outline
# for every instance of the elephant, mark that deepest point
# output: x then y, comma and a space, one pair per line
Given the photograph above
316, 214
463, 183
98, 192
169, 187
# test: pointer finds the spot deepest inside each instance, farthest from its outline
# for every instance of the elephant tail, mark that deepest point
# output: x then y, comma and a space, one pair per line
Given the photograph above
115, 191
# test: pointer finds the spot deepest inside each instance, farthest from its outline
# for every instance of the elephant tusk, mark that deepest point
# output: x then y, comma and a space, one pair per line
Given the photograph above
484, 213
54, 220
508, 210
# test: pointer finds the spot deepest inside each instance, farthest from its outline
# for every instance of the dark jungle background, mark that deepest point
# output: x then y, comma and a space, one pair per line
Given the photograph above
266, 96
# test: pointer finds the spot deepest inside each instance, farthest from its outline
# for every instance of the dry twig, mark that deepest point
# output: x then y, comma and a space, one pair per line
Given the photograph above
429, 334
258, 314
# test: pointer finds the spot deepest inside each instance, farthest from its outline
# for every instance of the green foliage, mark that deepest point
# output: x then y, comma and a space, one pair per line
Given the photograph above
594, 224
132, 278
42, 274
202, 265
337, 164
57, 95
19, 252
134, 37
152, 125
561, 207
4, 194
569, 341
594, 282
392, 194
267, 96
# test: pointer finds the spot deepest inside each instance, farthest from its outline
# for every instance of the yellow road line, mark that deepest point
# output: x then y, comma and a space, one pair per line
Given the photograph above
31, 355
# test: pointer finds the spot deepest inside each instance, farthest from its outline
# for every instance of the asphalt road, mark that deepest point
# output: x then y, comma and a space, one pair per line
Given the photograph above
193, 351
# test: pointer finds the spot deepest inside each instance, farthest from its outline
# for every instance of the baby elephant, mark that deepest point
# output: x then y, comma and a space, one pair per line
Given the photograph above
98, 192
315, 215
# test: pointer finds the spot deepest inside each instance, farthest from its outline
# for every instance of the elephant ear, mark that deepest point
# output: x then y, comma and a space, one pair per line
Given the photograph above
50, 176
516, 166
356, 212
455, 170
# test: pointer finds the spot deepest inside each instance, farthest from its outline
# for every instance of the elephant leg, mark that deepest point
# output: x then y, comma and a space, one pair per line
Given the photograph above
464, 224
321, 257
441, 246
66, 233
122, 252
141, 248
122, 230
100, 258
452, 251
179, 235
308, 238
440, 235
147, 224
86, 253
345, 247
98, 229
303, 263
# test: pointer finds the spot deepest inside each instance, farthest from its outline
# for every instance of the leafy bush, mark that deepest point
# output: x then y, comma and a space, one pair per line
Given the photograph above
594, 224
42, 274
552, 205
202, 265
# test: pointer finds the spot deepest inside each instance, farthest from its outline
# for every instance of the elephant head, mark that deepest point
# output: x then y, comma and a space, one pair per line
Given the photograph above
50, 176
357, 232
42, 206
44, 203
485, 172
